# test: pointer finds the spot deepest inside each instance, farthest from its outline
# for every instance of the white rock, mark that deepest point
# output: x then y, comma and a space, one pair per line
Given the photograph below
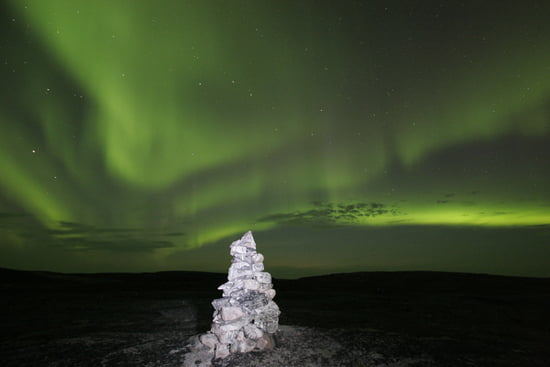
270, 293
265, 342
238, 250
263, 277
254, 301
215, 329
227, 337
248, 240
210, 340
240, 265
265, 286
219, 303
251, 284
216, 318
273, 308
235, 325
267, 318
226, 285
233, 274
258, 258
240, 336
237, 284
231, 313
252, 332
241, 257
235, 346
221, 351
257, 267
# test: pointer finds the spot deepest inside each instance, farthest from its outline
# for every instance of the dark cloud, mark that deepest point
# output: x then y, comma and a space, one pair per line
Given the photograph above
71, 228
333, 213
115, 245
174, 234
71, 236
80, 237
4, 216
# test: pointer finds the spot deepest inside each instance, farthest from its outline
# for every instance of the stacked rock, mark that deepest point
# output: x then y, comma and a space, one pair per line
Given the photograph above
246, 317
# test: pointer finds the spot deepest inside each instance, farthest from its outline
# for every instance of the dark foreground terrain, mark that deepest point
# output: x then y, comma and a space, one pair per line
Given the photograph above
359, 319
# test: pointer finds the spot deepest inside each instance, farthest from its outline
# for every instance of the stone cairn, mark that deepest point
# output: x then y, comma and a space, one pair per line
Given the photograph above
246, 317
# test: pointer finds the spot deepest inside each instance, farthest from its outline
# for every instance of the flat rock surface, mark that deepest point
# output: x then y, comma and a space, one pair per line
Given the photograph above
362, 319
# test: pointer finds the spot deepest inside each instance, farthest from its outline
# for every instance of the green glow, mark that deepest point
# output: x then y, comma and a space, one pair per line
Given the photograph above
350, 213
22, 183
480, 117
211, 118
460, 217
154, 123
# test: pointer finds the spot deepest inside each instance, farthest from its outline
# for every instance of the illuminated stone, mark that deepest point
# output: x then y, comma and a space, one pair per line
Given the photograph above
231, 313
246, 316
251, 284
253, 332
210, 340
222, 351
270, 293
263, 277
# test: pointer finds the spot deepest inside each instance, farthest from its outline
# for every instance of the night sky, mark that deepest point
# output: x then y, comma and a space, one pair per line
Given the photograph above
347, 135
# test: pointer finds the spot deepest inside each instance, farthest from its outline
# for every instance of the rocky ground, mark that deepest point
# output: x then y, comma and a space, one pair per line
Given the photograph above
366, 319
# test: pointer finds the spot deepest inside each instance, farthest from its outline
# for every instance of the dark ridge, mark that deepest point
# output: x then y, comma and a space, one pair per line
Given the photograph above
51, 281
428, 281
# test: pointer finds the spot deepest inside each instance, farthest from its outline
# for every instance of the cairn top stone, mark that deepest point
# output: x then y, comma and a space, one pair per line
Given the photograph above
247, 240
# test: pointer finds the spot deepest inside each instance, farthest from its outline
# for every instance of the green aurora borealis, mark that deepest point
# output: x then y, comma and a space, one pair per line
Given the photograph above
347, 135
